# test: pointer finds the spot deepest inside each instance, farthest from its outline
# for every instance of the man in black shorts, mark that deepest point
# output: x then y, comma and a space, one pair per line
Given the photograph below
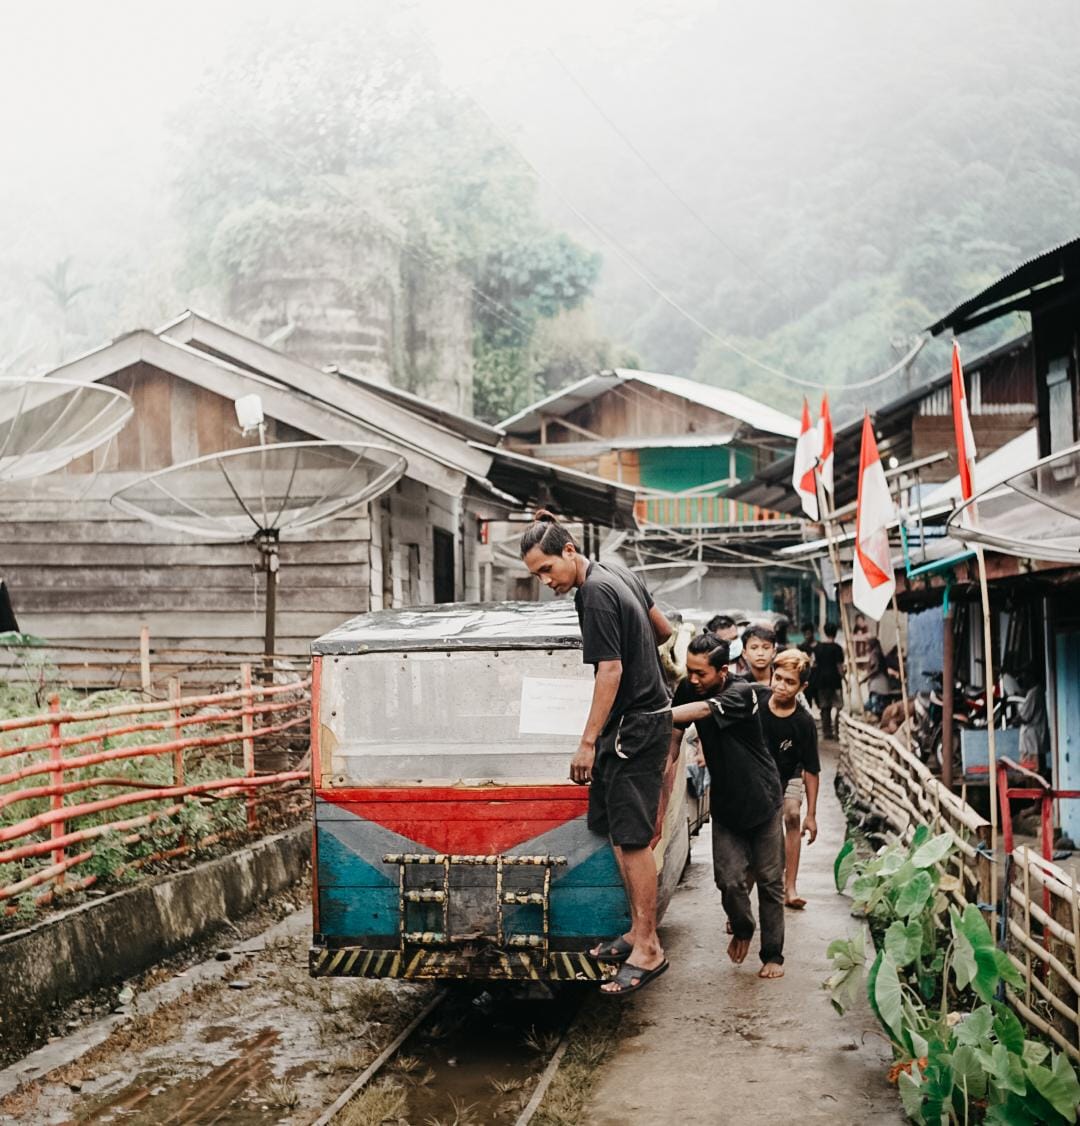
626, 741
747, 822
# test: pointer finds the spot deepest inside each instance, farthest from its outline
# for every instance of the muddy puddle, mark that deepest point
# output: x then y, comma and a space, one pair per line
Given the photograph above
477, 1063
270, 1045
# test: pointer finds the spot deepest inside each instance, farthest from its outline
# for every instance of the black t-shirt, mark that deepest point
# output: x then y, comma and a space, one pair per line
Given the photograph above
746, 786
792, 739
828, 658
613, 609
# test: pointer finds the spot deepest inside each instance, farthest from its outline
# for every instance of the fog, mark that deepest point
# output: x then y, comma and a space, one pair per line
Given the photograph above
814, 182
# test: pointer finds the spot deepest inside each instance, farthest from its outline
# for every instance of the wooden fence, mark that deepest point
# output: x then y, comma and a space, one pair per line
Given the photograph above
154, 760
1040, 901
886, 775
142, 664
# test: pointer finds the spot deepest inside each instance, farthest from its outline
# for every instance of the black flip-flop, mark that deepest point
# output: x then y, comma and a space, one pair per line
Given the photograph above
613, 951
626, 975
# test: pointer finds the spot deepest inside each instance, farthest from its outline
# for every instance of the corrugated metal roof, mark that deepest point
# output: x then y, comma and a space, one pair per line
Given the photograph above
771, 487
1046, 267
755, 414
569, 491
457, 625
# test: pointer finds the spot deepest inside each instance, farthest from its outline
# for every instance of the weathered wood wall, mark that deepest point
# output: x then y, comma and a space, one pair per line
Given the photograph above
81, 571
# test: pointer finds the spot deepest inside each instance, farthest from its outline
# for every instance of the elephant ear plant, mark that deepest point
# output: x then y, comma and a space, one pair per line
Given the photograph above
961, 1054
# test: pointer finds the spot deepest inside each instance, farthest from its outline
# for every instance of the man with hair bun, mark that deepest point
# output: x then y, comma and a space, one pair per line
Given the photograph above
746, 798
623, 750
791, 734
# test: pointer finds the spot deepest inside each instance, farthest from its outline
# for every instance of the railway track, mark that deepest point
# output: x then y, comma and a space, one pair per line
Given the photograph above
490, 1090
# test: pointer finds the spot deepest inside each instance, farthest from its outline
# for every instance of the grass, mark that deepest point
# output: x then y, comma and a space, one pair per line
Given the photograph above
592, 1041
383, 1101
280, 1093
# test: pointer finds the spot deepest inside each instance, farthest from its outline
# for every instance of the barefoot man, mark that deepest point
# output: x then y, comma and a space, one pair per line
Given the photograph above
791, 735
626, 741
747, 818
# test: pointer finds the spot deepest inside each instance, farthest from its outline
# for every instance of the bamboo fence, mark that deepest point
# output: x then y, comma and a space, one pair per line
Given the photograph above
140, 755
1041, 906
903, 791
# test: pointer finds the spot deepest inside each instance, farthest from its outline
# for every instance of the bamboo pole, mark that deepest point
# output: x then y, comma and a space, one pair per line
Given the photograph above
849, 640
903, 673
988, 676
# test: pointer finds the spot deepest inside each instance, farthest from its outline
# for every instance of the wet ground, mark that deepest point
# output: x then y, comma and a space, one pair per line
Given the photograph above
256, 1041
714, 1044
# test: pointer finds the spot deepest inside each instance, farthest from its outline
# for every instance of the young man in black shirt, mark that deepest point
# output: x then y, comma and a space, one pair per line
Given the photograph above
624, 747
791, 735
747, 822
759, 648
829, 674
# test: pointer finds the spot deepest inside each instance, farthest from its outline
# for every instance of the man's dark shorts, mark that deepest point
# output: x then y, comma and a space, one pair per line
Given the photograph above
628, 776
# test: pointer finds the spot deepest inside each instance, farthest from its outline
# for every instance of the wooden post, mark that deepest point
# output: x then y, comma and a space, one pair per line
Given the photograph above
247, 726
988, 676
903, 673
144, 658
849, 641
177, 730
56, 778
948, 681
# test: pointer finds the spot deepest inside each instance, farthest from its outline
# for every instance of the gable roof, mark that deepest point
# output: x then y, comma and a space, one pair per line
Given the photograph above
202, 331
733, 404
295, 405
1016, 290
327, 406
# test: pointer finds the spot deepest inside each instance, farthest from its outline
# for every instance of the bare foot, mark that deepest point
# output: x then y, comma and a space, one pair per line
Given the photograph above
737, 950
795, 902
771, 969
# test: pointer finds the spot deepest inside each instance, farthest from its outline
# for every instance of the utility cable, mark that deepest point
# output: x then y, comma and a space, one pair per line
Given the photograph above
642, 274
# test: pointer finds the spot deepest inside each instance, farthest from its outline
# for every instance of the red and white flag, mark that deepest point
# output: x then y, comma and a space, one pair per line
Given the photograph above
965, 439
806, 453
825, 462
873, 582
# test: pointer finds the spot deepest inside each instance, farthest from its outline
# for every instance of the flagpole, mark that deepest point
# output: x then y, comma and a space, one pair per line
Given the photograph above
965, 456
988, 676
849, 640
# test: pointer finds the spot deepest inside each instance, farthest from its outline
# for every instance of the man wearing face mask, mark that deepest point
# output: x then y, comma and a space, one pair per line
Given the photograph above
747, 799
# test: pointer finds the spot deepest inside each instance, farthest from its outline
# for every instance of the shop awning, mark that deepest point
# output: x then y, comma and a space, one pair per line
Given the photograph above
569, 492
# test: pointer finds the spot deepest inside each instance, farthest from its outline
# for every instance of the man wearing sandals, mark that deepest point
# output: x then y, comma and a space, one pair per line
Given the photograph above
627, 737
747, 800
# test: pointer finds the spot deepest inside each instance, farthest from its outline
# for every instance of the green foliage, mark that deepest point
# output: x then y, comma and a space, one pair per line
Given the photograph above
302, 160
953, 1066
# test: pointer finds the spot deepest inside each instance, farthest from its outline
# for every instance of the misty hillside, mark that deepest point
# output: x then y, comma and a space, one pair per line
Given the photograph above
814, 183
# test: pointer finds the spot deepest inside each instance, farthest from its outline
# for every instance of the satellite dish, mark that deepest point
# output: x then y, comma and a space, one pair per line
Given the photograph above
259, 494
1034, 513
47, 423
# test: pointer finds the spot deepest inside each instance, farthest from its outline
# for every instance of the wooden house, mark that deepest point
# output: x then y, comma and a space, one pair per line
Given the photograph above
80, 571
684, 445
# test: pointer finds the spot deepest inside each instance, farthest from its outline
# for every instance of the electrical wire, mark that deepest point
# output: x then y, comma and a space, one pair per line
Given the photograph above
657, 174
642, 274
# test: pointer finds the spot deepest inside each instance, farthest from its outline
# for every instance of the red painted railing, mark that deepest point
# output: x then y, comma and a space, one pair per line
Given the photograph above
39, 753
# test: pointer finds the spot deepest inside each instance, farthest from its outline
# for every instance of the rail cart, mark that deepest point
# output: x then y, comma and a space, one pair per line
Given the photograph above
448, 840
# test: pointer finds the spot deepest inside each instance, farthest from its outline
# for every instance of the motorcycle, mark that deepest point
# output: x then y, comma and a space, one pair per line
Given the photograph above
969, 713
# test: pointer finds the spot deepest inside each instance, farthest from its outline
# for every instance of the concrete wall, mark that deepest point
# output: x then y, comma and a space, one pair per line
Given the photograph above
106, 940
356, 301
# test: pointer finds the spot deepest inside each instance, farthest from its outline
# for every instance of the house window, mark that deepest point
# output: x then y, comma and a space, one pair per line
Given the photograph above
1059, 402
444, 566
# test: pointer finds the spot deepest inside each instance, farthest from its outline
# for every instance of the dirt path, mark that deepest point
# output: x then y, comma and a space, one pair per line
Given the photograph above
713, 1044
